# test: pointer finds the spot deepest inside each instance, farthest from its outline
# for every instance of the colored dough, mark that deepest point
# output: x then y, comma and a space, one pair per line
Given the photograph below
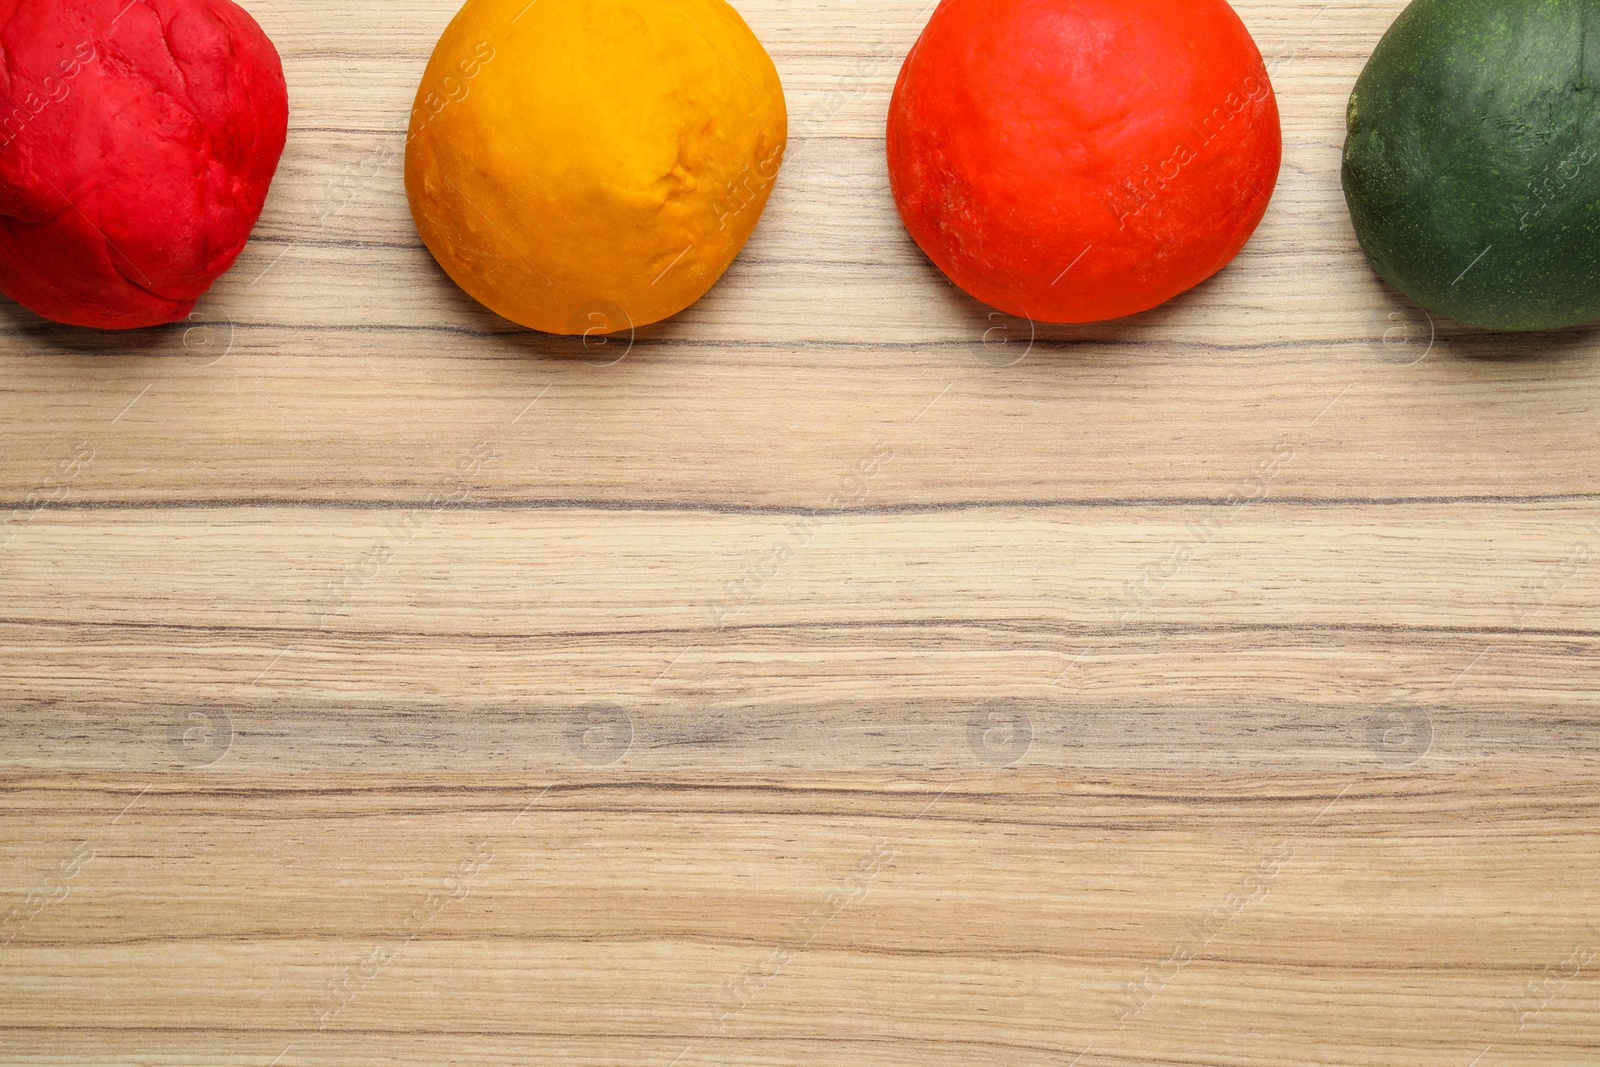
137, 142
586, 166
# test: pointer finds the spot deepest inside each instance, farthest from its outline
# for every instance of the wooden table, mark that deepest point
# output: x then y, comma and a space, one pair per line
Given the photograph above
840, 674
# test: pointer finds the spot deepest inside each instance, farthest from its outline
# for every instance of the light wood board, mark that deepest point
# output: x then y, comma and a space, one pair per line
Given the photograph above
676, 740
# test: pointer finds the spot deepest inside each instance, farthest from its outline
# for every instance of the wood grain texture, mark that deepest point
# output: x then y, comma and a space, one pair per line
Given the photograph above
835, 674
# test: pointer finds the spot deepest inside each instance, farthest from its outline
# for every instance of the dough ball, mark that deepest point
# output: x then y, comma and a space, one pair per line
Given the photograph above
586, 166
1079, 160
137, 141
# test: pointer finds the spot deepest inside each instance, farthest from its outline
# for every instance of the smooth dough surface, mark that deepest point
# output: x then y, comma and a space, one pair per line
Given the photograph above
591, 165
1079, 160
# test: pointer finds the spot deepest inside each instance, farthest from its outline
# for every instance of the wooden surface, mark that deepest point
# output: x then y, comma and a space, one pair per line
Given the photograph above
1212, 688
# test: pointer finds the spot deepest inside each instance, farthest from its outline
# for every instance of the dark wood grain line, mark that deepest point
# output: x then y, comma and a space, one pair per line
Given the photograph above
1009, 625
485, 500
707, 940
696, 1037
642, 341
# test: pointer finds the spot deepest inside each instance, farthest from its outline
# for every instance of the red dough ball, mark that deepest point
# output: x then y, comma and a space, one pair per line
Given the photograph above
137, 141
1080, 160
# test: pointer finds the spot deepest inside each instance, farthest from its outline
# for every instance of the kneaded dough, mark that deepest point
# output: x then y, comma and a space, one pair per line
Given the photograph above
137, 142
585, 166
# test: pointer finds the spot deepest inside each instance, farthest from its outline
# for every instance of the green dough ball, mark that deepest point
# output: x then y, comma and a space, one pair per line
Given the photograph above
1472, 165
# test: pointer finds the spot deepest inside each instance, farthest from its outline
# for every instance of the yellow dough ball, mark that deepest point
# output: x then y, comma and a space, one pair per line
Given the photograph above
585, 166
